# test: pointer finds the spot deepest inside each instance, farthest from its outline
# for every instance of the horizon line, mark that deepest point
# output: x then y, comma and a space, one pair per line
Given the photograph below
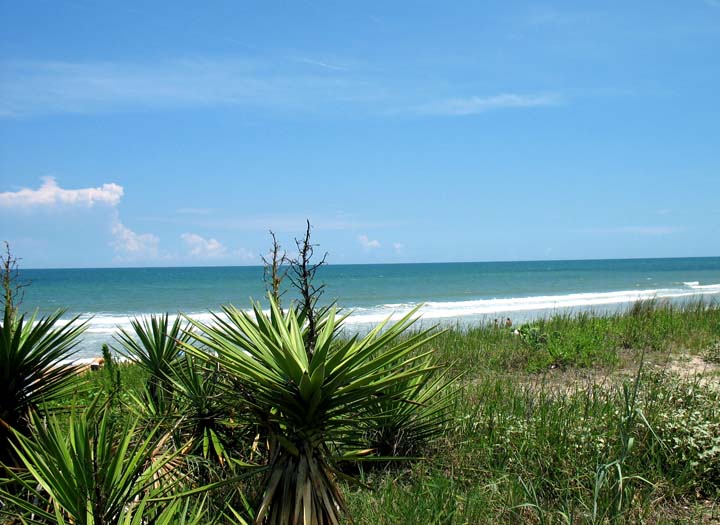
376, 263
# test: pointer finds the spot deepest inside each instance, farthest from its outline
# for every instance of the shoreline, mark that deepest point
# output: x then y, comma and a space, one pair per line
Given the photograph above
102, 329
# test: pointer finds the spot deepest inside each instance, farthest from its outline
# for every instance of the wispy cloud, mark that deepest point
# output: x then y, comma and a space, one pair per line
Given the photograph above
333, 67
245, 255
652, 230
367, 243
202, 247
476, 105
50, 194
542, 16
398, 247
635, 230
53, 87
278, 223
194, 211
39, 87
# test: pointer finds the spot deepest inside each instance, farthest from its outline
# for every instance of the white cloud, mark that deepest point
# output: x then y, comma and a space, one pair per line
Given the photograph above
50, 194
367, 243
202, 247
134, 245
476, 105
55, 199
398, 246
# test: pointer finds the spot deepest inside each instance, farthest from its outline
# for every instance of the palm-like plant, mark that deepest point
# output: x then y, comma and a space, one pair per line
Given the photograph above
95, 470
199, 395
310, 401
417, 413
154, 344
34, 368
179, 511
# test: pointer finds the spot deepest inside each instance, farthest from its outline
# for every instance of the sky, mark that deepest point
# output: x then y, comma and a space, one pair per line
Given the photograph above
179, 133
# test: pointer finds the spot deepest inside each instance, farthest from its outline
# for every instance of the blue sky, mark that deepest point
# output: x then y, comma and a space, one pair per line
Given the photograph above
178, 133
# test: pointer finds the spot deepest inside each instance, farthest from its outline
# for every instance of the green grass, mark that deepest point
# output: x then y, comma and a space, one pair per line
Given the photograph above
516, 453
552, 429
559, 424
582, 340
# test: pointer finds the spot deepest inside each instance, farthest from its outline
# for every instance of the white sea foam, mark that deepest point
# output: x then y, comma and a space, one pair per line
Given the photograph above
704, 287
102, 327
459, 309
106, 324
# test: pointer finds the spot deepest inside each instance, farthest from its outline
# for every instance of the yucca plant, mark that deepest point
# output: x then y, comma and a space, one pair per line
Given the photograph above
416, 414
310, 401
199, 392
180, 511
34, 368
154, 344
91, 470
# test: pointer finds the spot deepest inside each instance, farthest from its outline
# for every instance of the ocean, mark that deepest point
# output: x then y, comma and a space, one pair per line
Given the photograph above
457, 293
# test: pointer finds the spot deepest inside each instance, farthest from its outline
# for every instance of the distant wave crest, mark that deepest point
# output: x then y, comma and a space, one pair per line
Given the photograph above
102, 327
458, 309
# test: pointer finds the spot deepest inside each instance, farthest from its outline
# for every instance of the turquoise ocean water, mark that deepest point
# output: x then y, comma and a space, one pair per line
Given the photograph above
462, 293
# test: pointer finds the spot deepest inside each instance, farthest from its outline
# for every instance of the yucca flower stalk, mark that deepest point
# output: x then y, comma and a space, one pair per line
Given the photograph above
310, 402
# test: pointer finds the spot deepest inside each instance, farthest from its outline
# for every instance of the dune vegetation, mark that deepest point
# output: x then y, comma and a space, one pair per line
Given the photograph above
273, 415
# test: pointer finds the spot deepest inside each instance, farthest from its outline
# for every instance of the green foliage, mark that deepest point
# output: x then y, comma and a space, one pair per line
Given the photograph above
479, 349
686, 414
180, 511
202, 408
658, 326
524, 452
413, 415
581, 340
94, 470
613, 488
563, 341
438, 499
572, 444
712, 352
156, 346
309, 402
33, 369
